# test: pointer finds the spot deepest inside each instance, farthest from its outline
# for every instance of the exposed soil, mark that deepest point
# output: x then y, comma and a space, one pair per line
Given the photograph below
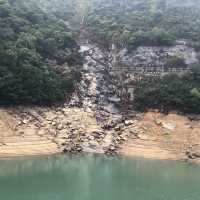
41, 131
169, 136
93, 121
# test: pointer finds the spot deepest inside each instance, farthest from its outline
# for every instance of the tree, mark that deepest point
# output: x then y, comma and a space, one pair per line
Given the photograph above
175, 62
33, 45
171, 92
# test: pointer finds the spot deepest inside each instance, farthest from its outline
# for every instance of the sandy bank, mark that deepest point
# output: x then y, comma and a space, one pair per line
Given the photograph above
19, 137
42, 131
161, 136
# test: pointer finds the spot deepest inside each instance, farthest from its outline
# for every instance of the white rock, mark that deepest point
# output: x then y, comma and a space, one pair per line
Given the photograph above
93, 143
25, 121
60, 127
169, 126
143, 136
158, 122
91, 137
53, 123
128, 122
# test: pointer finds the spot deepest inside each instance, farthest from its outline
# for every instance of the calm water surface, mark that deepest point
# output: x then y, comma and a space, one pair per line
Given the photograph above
97, 177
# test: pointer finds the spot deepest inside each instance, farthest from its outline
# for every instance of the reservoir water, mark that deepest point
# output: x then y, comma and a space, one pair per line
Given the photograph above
97, 177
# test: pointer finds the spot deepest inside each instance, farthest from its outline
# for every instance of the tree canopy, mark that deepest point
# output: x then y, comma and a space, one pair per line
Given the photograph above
170, 92
37, 55
131, 23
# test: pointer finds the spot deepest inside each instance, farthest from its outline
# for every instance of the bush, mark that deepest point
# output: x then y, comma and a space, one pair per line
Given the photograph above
156, 37
175, 62
32, 46
34, 85
171, 92
145, 22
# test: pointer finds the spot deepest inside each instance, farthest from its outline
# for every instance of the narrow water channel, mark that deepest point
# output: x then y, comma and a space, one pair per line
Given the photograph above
97, 177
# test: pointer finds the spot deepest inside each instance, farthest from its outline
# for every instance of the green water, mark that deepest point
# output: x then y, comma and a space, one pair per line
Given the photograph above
97, 177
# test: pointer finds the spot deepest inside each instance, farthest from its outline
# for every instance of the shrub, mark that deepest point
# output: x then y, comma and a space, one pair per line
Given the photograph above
32, 46
175, 62
170, 92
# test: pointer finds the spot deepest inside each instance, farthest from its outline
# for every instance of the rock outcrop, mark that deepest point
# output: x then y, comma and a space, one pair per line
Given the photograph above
150, 58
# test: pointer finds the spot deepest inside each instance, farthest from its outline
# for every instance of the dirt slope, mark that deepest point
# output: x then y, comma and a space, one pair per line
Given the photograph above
41, 131
20, 138
161, 136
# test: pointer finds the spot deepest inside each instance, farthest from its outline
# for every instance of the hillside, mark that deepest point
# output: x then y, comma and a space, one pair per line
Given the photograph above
153, 39
82, 76
132, 23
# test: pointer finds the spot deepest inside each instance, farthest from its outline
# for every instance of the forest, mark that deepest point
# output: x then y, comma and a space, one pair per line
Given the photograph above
170, 92
134, 23
40, 59
131, 23
38, 55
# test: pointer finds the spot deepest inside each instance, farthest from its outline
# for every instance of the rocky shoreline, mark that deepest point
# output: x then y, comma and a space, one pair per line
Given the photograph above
73, 130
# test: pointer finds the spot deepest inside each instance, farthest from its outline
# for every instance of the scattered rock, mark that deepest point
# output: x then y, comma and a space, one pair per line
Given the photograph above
193, 152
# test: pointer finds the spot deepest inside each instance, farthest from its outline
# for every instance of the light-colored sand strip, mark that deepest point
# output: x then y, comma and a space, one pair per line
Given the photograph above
148, 149
163, 137
23, 140
13, 146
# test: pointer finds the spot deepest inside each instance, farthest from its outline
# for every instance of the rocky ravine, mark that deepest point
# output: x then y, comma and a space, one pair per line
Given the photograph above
87, 123
90, 122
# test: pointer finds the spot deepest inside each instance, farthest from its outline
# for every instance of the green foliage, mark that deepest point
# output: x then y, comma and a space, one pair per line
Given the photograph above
144, 22
175, 62
171, 92
157, 37
195, 93
32, 46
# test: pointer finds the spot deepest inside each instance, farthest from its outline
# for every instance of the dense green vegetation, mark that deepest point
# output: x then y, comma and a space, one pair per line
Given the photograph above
71, 11
170, 92
131, 23
38, 55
